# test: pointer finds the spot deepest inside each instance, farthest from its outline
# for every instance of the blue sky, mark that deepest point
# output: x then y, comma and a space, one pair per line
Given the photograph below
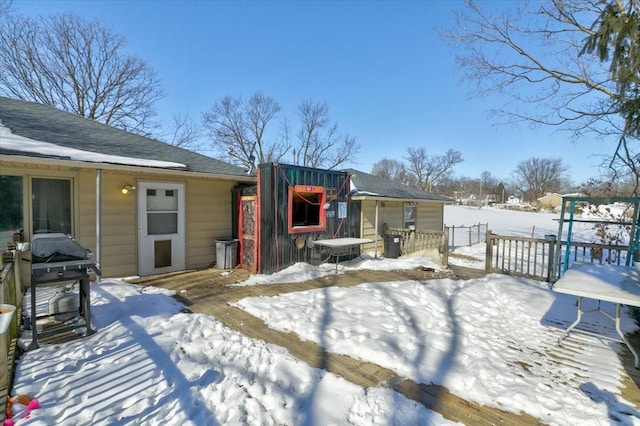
385, 73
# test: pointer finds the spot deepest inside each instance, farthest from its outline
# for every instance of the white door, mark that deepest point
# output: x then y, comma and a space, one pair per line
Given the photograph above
161, 229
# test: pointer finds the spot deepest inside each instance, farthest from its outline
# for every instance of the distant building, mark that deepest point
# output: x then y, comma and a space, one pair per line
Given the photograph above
514, 199
550, 201
553, 200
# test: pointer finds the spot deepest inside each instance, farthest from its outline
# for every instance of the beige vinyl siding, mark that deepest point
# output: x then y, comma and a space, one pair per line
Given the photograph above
429, 217
389, 212
208, 214
208, 217
118, 256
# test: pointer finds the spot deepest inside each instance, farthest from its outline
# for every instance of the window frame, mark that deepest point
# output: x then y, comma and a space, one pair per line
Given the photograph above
322, 214
8, 231
409, 224
71, 200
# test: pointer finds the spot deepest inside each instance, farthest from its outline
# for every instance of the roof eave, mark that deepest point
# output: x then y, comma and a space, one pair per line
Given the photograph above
403, 200
25, 160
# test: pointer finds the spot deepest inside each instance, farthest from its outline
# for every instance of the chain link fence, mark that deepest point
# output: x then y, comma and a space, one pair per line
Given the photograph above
460, 236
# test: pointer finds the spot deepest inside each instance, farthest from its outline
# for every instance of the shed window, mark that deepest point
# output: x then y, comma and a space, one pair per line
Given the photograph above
306, 212
409, 217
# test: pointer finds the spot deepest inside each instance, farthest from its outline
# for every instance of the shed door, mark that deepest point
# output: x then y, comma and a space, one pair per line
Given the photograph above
247, 232
161, 229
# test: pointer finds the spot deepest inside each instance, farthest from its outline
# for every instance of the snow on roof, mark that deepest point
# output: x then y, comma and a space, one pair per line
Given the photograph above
18, 143
355, 190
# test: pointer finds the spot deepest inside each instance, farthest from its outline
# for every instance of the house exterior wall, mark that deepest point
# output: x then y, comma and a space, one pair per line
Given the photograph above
429, 217
550, 201
207, 215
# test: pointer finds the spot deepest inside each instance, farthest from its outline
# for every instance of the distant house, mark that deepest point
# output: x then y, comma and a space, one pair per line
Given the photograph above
549, 201
141, 205
514, 199
380, 203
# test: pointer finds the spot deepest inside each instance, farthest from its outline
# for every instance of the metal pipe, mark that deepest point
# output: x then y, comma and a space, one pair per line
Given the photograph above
376, 231
98, 220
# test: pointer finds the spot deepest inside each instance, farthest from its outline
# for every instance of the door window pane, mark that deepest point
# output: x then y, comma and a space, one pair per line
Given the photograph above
162, 223
162, 200
10, 208
51, 205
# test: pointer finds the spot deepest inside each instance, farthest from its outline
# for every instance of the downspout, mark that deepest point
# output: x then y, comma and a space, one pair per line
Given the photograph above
98, 220
375, 230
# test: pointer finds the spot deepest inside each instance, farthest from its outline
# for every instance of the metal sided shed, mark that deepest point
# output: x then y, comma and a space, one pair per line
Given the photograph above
292, 207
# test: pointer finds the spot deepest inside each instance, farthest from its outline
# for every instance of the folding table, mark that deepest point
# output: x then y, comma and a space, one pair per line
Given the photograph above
338, 246
618, 284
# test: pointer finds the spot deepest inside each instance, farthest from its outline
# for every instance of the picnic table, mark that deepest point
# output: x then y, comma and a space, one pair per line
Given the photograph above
618, 284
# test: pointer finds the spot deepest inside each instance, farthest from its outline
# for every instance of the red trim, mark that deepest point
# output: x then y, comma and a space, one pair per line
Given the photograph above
322, 226
307, 188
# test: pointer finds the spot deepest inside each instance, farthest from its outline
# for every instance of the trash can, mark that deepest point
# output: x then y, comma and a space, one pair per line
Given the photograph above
392, 246
226, 253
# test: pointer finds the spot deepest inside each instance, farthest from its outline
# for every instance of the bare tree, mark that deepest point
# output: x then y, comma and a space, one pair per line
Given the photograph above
427, 170
77, 66
238, 129
392, 170
6, 7
319, 142
183, 132
535, 177
535, 53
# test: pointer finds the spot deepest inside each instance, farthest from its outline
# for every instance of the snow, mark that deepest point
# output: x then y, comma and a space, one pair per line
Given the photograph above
491, 340
18, 143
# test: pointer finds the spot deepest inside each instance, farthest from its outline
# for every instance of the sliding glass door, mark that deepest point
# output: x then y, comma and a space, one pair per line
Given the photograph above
51, 205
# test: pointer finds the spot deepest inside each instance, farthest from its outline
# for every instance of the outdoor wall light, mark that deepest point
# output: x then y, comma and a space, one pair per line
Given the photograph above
128, 188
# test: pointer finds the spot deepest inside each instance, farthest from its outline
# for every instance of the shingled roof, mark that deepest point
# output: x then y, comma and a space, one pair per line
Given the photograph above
365, 184
47, 124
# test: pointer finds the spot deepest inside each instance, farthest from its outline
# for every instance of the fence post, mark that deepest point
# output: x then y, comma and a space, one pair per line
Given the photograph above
489, 252
445, 248
412, 238
551, 240
453, 235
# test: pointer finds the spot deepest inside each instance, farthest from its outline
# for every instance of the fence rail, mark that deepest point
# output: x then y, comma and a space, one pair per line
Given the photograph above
460, 236
414, 241
534, 257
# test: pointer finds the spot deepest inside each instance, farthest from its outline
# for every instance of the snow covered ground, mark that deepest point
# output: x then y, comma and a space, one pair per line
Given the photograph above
489, 340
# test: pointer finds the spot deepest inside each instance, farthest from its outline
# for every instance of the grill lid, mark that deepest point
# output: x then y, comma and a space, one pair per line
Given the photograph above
56, 247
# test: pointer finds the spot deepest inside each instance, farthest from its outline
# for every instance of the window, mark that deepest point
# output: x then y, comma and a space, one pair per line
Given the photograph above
51, 205
10, 208
409, 217
306, 212
162, 212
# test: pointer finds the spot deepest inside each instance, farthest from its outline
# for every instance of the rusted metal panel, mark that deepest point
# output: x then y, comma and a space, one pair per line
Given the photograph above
248, 232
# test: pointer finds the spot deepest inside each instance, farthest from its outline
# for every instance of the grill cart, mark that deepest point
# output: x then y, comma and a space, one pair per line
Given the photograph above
57, 258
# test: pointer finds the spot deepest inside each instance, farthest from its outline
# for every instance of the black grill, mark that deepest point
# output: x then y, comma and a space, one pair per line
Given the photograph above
57, 258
